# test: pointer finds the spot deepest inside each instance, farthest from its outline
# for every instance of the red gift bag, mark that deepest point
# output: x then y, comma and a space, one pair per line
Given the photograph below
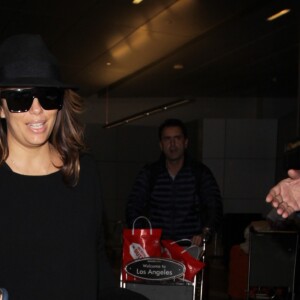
172, 250
139, 243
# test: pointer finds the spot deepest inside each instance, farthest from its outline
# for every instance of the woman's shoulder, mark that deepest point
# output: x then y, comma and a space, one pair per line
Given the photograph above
87, 157
4, 169
89, 170
88, 162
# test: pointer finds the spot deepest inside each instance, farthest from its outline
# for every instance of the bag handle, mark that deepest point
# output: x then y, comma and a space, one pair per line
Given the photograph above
192, 246
182, 240
141, 217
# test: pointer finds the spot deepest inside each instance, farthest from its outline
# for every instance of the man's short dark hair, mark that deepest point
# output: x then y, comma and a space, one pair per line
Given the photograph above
172, 123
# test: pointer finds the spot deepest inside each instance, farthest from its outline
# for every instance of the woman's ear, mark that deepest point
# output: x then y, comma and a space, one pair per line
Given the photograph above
2, 115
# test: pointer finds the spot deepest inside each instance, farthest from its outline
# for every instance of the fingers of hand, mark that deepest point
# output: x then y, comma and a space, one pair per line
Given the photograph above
273, 194
294, 174
276, 201
269, 198
284, 209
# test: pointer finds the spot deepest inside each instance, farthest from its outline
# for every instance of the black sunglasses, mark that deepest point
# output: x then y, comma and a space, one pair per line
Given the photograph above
20, 100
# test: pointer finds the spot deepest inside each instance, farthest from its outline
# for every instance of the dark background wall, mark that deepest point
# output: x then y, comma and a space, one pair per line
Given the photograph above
245, 155
241, 140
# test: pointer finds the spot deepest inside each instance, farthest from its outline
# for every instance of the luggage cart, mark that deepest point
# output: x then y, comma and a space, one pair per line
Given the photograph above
175, 290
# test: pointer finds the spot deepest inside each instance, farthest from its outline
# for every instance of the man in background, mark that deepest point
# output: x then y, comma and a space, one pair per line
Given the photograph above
177, 194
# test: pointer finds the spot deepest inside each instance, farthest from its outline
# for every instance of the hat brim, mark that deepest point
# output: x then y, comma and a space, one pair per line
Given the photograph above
36, 82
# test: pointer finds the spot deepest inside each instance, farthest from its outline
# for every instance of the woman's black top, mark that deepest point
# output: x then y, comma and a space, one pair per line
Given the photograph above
51, 240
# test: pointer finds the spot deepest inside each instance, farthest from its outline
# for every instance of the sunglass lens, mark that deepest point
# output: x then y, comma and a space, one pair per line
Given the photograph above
50, 98
17, 100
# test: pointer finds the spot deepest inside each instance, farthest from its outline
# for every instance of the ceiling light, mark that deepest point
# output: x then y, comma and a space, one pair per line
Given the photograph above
147, 113
279, 14
136, 1
178, 66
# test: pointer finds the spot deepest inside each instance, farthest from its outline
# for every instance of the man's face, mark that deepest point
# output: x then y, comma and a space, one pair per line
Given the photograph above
173, 143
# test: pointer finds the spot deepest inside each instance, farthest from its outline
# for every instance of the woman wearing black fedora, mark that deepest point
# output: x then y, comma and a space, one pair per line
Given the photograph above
51, 241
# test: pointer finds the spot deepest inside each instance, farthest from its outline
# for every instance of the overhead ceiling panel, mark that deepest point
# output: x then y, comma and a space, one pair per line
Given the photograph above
226, 47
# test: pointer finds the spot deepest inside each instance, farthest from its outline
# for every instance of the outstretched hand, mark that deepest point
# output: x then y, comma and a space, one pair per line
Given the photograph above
285, 196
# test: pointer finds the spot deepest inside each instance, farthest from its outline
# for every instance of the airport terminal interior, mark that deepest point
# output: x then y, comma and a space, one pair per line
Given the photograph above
230, 71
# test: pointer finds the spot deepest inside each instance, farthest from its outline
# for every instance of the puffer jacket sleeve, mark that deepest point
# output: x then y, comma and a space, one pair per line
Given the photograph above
210, 199
139, 197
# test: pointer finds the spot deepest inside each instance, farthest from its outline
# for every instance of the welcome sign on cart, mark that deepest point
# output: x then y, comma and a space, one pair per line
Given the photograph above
155, 268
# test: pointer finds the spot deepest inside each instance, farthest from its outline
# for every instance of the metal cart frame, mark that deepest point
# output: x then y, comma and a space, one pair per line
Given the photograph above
186, 291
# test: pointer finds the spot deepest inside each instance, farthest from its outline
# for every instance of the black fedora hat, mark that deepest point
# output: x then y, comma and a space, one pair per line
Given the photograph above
25, 61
